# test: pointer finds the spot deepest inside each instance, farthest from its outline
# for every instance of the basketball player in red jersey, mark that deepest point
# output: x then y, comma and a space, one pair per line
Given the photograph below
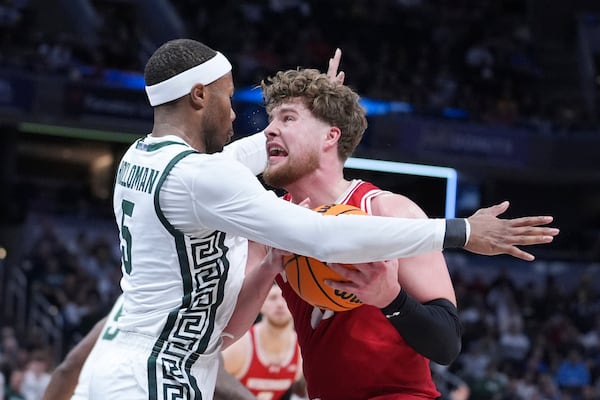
267, 358
382, 349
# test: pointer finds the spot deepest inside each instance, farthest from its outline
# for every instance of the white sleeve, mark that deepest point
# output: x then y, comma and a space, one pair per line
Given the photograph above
226, 197
250, 151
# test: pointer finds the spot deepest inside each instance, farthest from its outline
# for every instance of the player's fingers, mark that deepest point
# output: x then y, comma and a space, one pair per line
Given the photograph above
518, 253
347, 287
347, 272
494, 210
534, 231
531, 221
334, 64
341, 76
531, 240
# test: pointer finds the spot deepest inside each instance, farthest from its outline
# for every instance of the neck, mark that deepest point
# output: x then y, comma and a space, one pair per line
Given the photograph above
275, 341
172, 122
271, 332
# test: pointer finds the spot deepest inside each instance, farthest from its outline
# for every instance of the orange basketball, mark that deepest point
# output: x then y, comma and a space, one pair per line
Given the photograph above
306, 275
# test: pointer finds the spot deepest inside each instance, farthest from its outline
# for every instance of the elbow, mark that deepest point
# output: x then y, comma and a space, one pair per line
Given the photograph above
448, 353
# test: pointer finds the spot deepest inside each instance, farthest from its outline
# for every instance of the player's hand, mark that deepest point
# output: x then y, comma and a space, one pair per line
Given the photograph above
332, 68
373, 283
273, 260
491, 235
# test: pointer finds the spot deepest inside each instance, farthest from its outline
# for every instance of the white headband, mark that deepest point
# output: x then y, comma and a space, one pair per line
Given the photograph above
181, 84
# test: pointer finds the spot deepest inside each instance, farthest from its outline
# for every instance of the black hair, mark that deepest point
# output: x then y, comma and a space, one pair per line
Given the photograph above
175, 57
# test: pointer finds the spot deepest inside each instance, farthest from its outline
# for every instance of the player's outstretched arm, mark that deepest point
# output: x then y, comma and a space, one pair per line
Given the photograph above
491, 235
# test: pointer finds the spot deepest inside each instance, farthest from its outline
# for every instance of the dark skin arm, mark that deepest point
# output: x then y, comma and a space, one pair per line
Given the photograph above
64, 378
228, 387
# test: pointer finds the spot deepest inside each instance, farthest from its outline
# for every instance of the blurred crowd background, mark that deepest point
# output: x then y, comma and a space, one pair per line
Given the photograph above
481, 57
519, 67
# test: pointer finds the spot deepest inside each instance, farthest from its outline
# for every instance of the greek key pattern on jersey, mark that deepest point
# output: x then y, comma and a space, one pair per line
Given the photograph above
173, 392
193, 324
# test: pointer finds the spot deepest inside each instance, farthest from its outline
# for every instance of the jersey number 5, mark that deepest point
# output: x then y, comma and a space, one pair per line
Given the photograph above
127, 207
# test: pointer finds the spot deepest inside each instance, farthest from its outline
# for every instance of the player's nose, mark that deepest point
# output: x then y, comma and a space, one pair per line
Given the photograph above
271, 130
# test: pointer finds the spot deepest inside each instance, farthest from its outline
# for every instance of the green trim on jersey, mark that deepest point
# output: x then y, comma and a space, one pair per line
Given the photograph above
184, 264
143, 146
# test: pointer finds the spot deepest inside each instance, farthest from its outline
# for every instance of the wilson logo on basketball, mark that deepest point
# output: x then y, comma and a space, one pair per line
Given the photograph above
351, 297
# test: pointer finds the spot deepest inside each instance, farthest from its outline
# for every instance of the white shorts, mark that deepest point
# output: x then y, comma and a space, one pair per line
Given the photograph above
141, 367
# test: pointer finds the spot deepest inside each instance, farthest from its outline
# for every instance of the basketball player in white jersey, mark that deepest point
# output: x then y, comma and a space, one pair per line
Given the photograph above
71, 378
185, 213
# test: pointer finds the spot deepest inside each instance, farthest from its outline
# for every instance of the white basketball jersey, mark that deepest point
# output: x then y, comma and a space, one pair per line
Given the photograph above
179, 287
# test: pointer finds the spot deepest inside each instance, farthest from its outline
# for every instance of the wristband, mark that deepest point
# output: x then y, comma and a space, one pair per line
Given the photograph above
456, 233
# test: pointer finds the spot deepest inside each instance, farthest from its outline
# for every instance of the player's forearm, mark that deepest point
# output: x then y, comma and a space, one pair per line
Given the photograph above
64, 378
62, 384
432, 329
254, 291
244, 208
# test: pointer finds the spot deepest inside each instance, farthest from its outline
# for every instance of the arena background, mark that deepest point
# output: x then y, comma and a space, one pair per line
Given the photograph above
502, 92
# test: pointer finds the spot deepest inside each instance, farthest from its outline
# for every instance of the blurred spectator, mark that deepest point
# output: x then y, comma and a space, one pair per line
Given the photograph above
514, 346
490, 385
474, 362
573, 375
450, 385
2, 383
36, 376
13, 391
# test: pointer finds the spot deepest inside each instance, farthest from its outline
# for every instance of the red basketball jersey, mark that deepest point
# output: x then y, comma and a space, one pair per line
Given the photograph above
357, 354
269, 381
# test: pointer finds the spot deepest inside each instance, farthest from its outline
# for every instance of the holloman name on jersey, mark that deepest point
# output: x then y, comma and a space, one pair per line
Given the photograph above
136, 177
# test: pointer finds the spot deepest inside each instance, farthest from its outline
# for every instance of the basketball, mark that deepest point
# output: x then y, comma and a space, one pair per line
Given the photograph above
306, 275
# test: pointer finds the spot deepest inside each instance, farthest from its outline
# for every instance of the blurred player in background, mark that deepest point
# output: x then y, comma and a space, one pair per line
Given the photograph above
267, 358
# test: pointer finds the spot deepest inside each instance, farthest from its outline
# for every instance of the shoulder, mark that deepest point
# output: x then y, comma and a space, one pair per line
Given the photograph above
396, 205
237, 355
212, 171
195, 162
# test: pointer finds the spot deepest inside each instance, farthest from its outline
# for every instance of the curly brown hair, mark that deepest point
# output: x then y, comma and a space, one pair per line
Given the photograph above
329, 101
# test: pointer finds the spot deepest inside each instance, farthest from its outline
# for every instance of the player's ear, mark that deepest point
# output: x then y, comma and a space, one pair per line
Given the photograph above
197, 95
333, 137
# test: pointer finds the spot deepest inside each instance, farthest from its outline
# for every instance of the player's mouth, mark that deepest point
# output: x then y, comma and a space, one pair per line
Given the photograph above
276, 152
